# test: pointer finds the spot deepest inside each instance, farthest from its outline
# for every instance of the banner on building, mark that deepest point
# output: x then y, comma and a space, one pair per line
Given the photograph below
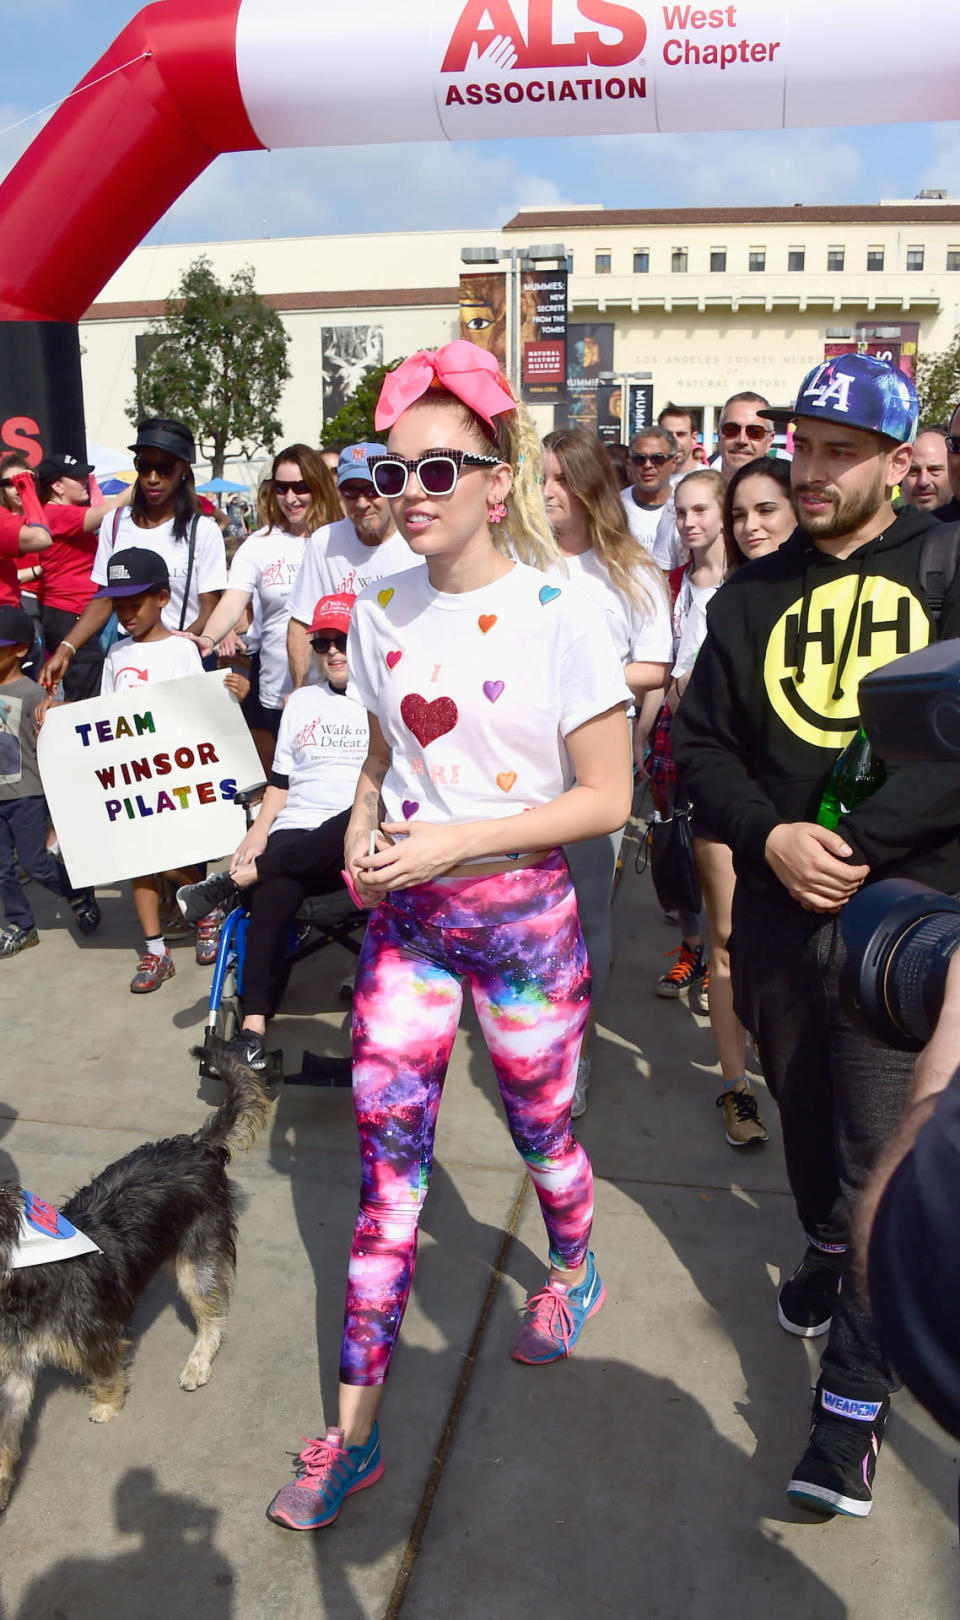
543, 335
639, 409
483, 313
348, 353
591, 403
895, 342
143, 781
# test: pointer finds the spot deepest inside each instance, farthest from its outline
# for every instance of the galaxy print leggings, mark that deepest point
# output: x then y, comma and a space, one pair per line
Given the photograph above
515, 937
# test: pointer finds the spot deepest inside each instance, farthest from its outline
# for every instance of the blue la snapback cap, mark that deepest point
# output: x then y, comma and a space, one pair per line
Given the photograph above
861, 390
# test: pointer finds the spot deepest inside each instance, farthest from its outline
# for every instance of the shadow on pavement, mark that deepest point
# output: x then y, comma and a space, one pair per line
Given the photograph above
174, 1568
622, 1501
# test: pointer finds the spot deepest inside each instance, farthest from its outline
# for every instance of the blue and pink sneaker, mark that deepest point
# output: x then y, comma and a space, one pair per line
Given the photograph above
327, 1473
555, 1316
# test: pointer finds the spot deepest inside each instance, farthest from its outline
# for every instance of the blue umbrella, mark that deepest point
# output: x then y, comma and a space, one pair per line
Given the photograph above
222, 486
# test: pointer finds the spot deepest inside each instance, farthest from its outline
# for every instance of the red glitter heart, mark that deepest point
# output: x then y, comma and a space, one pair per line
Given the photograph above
428, 721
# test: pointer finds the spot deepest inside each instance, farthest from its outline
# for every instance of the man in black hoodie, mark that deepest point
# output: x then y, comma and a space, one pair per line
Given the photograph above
771, 703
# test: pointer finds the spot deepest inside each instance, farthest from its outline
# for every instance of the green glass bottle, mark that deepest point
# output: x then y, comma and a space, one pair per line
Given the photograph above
856, 773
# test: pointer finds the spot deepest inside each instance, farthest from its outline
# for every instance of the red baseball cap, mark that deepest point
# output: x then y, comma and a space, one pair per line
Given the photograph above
332, 613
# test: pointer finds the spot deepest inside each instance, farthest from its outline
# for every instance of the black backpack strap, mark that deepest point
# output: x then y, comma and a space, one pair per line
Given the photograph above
192, 547
939, 558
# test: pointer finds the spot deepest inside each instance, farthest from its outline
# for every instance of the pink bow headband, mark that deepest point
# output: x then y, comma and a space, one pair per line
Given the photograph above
462, 368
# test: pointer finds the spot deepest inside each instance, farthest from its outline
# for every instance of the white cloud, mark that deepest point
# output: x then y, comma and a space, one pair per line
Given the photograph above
943, 168
730, 169
429, 186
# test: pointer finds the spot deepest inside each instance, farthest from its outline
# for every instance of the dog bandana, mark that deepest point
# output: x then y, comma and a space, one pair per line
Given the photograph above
46, 1235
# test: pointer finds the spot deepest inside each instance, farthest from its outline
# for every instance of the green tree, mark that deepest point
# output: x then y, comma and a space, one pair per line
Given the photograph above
353, 423
218, 360
938, 382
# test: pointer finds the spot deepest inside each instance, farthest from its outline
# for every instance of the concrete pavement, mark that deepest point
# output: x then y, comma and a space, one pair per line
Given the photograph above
644, 1477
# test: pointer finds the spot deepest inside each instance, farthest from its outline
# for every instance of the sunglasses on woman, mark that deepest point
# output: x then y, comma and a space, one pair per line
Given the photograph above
324, 644
436, 472
752, 430
291, 486
163, 468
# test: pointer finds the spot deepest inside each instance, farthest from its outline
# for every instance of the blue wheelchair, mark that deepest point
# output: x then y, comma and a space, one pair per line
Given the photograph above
329, 919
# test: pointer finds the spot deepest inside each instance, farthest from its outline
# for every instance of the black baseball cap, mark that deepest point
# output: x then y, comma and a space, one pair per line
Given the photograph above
61, 466
165, 433
16, 628
132, 571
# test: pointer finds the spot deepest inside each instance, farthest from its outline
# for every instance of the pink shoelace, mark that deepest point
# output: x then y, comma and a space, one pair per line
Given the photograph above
549, 1313
317, 1459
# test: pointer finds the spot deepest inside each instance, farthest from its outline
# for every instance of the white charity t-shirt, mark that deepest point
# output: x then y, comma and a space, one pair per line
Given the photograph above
266, 566
141, 663
321, 746
689, 623
336, 561
641, 633
656, 529
209, 561
475, 692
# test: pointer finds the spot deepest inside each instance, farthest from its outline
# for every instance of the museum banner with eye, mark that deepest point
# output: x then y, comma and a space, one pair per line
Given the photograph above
483, 312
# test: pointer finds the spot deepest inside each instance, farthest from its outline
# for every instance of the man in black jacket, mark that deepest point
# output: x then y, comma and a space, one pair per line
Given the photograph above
772, 702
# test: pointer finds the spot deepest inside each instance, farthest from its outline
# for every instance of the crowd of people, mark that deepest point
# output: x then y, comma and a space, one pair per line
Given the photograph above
469, 650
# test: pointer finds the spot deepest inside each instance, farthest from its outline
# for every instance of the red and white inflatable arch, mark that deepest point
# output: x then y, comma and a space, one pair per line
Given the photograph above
189, 79
211, 76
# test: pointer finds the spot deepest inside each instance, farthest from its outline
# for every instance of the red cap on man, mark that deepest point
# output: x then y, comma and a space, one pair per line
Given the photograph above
332, 613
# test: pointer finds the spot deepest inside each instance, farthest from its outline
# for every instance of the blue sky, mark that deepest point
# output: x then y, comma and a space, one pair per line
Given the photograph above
464, 186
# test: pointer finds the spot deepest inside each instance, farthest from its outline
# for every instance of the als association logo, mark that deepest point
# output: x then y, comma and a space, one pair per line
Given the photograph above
489, 31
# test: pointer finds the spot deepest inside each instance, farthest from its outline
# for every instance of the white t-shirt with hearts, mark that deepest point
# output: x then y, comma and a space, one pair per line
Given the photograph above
475, 692
267, 566
321, 746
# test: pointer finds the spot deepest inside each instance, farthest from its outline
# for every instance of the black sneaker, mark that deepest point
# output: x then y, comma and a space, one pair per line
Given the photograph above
805, 1302
197, 900
835, 1473
248, 1048
86, 911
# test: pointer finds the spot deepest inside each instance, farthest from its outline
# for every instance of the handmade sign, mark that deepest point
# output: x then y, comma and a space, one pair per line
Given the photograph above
143, 781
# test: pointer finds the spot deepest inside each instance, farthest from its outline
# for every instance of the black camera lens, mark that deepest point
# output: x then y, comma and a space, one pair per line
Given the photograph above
899, 938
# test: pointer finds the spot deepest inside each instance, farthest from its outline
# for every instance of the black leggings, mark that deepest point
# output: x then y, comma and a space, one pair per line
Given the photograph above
294, 865
839, 1094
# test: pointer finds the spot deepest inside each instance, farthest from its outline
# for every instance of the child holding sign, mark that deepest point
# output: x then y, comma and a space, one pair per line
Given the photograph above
138, 584
23, 810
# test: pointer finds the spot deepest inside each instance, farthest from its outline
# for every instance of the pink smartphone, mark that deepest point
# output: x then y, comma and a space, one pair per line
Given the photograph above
352, 890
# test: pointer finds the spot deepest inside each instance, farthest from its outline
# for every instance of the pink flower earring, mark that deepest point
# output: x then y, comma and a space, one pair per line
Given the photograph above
497, 512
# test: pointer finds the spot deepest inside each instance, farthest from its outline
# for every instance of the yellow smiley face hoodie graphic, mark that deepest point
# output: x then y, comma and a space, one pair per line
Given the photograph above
773, 701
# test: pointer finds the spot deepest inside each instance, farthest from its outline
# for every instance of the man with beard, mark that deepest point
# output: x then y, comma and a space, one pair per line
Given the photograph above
771, 703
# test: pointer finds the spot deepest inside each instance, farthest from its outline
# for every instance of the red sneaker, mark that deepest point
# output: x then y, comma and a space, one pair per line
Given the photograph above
151, 972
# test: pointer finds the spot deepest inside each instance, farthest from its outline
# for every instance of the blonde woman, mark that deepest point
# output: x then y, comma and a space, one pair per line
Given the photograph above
498, 734
606, 563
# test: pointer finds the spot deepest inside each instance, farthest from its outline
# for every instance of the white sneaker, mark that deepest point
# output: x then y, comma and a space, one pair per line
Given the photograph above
580, 1089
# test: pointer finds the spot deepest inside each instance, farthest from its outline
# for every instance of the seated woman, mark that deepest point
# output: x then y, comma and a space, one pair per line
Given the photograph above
295, 846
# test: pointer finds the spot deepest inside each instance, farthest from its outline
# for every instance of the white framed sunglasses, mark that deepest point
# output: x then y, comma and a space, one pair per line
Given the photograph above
436, 471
